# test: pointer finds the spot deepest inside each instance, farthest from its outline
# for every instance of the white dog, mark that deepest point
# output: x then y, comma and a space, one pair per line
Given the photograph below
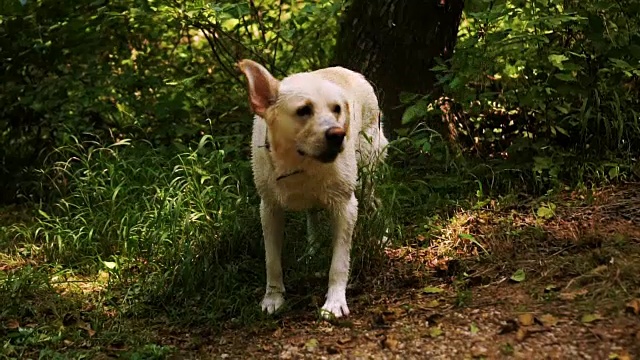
311, 132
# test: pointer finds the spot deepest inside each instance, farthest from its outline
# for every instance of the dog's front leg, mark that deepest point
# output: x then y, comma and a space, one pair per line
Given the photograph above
272, 218
343, 220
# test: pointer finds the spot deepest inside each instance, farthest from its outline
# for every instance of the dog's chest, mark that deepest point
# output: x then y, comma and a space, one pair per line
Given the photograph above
304, 191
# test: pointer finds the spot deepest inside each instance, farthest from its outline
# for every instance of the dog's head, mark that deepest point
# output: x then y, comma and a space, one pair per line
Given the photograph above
304, 113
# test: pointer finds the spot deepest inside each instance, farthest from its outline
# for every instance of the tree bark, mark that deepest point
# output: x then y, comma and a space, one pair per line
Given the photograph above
394, 44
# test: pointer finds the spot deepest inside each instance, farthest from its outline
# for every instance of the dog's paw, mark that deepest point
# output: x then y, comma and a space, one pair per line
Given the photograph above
334, 308
272, 302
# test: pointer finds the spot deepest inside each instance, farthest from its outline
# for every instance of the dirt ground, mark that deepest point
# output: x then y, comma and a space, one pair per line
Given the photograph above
503, 322
565, 287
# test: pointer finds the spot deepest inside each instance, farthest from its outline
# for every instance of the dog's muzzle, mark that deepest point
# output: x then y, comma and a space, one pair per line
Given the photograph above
334, 137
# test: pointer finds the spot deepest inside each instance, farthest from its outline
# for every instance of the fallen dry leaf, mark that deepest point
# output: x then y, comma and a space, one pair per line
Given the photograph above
390, 343
432, 304
633, 306
522, 334
67, 342
548, 320
87, 327
103, 276
525, 319
344, 340
389, 316
572, 295
326, 329
599, 269
13, 324
478, 351
277, 333
623, 355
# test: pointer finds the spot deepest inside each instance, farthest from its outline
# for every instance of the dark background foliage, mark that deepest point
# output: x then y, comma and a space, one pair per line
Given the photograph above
124, 133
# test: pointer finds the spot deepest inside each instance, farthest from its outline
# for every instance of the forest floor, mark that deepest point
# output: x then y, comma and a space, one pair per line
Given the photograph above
563, 284
560, 282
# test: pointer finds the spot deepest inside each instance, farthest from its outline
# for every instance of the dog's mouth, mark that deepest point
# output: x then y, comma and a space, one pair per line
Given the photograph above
327, 156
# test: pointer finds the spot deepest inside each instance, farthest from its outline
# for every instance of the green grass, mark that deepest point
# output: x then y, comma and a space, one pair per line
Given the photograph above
137, 238
146, 231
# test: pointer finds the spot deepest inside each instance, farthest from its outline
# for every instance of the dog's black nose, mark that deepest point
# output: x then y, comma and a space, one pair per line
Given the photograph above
335, 136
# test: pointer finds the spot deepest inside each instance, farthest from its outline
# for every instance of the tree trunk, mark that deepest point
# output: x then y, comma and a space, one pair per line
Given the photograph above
394, 44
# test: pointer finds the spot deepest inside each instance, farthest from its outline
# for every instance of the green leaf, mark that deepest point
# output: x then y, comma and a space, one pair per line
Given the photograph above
565, 77
518, 276
545, 212
473, 240
621, 64
614, 172
432, 290
435, 332
414, 112
110, 264
426, 146
311, 344
473, 329
589, 318
557, 60
408, 98
562, 109
44, 214
562, 130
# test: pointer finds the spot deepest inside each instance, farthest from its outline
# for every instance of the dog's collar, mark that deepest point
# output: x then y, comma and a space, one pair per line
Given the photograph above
267, 146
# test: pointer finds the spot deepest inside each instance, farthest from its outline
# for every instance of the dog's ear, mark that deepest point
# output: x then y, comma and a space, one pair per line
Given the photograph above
262, 86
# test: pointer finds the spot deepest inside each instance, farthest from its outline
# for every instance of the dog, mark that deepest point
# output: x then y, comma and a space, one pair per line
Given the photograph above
312, 131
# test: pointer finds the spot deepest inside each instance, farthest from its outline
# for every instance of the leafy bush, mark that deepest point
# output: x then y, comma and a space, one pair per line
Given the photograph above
546, 84
142, 70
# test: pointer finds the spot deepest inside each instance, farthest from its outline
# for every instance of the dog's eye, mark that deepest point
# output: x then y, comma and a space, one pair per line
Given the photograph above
304, 111
337, 109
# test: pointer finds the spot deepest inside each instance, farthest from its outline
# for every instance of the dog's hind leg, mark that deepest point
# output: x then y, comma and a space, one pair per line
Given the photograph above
343, 220
272, 218
314, 223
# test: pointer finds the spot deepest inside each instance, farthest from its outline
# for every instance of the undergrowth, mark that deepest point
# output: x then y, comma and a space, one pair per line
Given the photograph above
178, 234
141, 233
150, 228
